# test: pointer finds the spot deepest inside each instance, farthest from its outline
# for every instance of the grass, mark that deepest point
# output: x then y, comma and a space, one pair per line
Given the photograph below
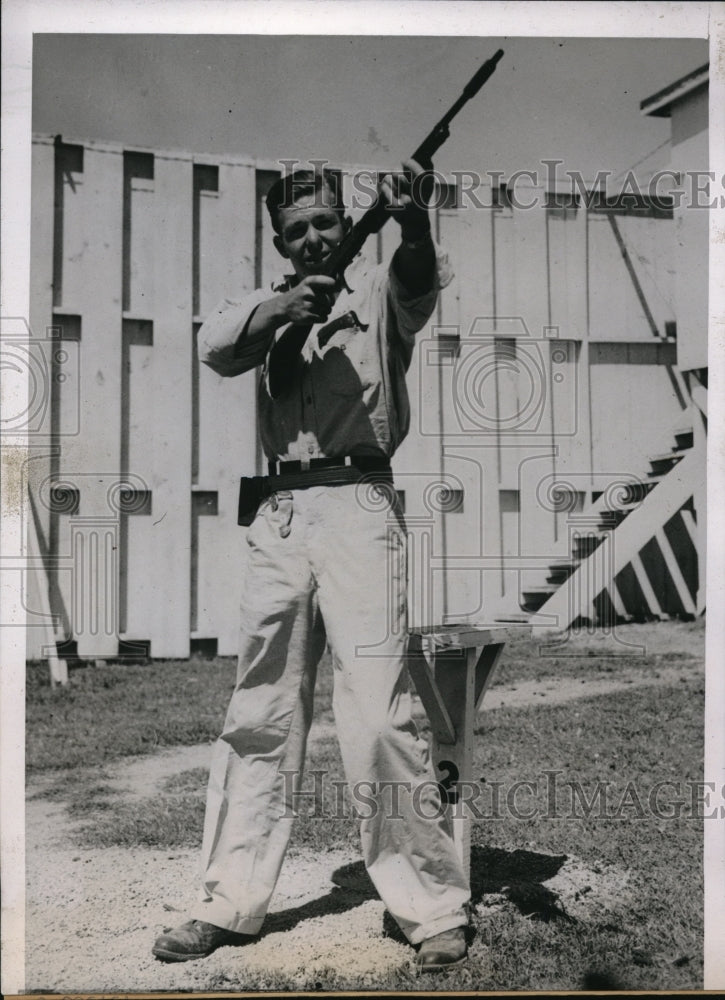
622, 743
106, 713
585, 654
172, 819
192, 781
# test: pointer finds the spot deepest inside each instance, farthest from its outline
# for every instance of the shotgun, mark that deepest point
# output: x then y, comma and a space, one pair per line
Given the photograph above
287, 347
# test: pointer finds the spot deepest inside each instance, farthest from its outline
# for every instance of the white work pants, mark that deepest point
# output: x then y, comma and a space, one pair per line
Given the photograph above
326, 563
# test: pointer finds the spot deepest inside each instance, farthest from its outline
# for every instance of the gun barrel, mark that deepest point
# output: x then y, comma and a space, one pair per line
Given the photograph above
373, 220
439, 134
479, 78
376, 216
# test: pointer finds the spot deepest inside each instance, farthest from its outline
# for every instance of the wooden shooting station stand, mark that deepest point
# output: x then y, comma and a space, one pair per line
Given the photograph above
452, 667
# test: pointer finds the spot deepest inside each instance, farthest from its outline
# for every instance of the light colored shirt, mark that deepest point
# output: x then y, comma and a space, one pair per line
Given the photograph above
349, 394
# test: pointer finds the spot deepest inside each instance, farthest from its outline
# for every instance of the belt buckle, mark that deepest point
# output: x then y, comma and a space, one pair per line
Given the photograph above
304, 465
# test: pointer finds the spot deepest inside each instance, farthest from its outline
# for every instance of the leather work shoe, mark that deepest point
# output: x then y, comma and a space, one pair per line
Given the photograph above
194, 939
442, 950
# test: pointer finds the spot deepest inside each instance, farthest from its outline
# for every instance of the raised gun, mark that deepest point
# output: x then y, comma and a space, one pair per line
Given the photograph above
287, 347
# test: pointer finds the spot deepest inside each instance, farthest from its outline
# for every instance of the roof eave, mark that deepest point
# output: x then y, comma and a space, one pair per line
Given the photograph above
659, 105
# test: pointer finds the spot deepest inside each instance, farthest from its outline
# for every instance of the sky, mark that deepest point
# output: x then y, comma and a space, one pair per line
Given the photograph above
363, 99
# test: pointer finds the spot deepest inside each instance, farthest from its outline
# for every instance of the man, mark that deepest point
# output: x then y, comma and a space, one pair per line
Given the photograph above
326, 564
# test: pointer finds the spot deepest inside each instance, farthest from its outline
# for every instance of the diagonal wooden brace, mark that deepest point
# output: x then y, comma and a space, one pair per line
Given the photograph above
421, 669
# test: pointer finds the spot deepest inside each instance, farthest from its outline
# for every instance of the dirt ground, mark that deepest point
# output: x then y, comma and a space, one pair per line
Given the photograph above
92, 915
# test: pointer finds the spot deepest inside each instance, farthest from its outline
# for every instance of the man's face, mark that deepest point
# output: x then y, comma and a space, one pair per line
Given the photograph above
310, 230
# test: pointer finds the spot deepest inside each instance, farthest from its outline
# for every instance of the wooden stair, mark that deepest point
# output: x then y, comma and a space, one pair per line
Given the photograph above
658, 577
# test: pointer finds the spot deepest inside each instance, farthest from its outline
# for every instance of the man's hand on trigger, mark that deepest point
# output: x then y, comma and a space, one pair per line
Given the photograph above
407, 194
310, 301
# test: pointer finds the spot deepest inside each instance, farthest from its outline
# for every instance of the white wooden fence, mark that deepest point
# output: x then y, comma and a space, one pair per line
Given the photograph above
548, 372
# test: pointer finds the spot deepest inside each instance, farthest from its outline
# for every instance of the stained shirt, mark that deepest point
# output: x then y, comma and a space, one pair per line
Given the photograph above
349, 394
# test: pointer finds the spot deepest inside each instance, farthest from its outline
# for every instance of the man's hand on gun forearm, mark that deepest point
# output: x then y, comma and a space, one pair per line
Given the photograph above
407, 196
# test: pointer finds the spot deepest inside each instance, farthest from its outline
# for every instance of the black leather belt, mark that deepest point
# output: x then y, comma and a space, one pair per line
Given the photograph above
363, 463
318, 472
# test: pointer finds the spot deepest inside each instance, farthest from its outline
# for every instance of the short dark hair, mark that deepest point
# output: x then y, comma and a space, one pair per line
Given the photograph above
287, 190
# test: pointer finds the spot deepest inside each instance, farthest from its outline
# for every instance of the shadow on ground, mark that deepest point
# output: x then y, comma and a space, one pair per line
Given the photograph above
517, 875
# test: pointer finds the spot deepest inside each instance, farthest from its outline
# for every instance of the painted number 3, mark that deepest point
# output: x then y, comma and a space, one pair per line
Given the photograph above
447, 787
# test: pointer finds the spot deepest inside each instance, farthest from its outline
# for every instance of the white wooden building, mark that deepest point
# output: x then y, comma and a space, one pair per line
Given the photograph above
551, 374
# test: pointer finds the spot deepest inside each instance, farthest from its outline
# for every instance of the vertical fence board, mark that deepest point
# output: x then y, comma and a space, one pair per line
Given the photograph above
73, 270
565, 387
144, 594
142, 247
213, 621
169, 556
270, 264
212, 254
510, 545
460, 527
535, 385
73, 247
41, 298
504, 378
237, 202
227, 415
41, 239
463, 534
568, 282
475, 267
139, 584
564, 270
504, 262
503, 398
450, 235
98, 456
420, 465
227, 407
141, 406
475, 264
691, 287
